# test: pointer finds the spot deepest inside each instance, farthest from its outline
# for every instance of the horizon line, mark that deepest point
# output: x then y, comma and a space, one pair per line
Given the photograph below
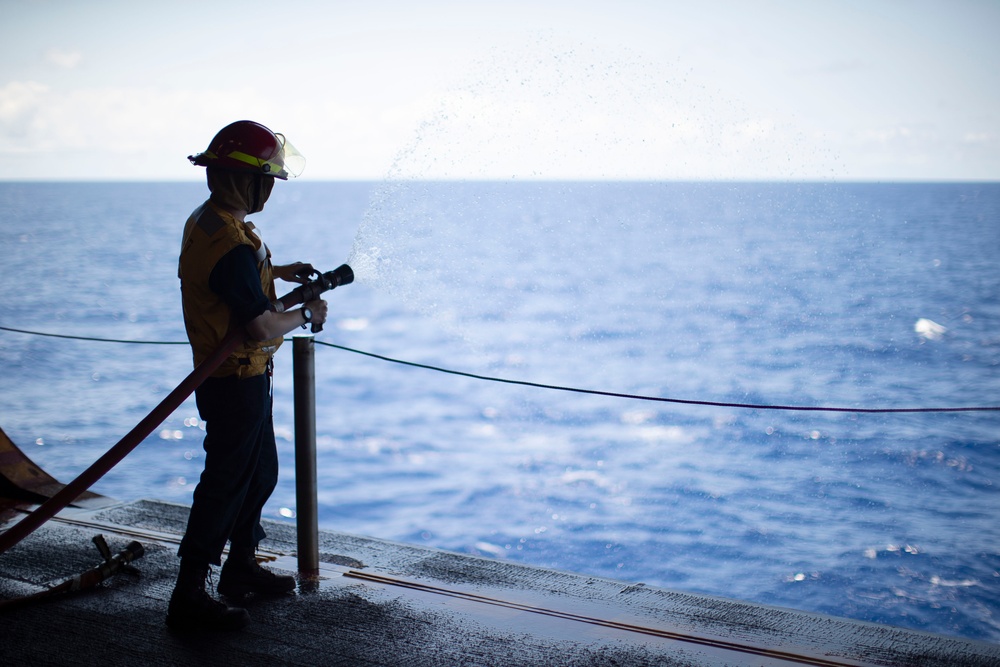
359, 179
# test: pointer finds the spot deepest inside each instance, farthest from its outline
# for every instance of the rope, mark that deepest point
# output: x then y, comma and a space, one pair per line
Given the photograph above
682, 401
539, 385
96, 340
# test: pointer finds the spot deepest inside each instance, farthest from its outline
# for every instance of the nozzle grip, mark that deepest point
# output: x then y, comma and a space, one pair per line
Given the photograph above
342, 275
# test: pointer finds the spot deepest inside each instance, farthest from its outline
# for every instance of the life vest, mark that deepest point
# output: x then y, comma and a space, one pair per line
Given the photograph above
209, 234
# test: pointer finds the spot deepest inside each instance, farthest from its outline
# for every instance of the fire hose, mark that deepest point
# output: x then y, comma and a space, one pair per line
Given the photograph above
342, 275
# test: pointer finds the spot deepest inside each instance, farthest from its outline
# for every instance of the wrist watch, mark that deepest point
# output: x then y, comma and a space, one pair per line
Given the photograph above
308, 314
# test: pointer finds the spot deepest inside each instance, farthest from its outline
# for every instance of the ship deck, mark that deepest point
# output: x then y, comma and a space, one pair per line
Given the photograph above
377, 602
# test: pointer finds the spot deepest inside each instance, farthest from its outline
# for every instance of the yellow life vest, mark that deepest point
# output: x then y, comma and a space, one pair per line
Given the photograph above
209, 234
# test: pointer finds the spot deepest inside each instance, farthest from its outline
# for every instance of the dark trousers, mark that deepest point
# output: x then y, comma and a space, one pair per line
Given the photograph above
241, 468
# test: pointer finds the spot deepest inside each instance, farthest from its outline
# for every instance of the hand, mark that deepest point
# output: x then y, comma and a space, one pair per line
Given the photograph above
318, 308
296, 272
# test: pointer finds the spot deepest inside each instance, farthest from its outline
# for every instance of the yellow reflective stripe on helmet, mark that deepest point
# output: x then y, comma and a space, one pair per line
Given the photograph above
273, 167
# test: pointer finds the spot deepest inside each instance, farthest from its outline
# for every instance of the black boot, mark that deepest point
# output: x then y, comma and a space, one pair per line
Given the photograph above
242, 575
192, 608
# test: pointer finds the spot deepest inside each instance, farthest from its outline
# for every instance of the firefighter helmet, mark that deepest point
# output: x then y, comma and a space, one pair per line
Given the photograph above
249, 146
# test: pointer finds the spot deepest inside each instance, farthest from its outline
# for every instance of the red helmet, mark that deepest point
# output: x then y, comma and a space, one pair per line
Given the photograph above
249, 146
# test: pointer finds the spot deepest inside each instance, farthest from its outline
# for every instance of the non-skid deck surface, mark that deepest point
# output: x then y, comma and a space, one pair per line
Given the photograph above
384, 603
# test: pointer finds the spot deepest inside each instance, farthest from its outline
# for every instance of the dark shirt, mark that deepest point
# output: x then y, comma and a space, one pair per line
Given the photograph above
236, 279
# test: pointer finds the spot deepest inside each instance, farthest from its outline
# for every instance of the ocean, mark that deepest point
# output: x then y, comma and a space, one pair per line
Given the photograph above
844, 295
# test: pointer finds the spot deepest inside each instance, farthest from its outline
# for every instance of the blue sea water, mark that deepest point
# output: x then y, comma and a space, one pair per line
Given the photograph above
807, 294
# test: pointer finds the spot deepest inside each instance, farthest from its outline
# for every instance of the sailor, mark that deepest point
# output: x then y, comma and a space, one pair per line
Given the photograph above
227, 280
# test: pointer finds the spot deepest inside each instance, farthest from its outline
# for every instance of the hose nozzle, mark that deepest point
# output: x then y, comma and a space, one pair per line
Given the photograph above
342, 275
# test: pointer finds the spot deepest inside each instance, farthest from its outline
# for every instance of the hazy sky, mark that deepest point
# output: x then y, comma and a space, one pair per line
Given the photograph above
874, 89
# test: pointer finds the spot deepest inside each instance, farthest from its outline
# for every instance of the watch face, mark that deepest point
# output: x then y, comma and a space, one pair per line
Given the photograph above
308, 314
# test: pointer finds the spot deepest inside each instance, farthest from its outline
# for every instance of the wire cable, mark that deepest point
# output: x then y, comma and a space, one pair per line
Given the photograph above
539, 385
93, 339
637, 397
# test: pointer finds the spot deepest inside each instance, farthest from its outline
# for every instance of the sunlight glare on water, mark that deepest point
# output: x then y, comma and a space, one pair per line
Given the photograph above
774, 293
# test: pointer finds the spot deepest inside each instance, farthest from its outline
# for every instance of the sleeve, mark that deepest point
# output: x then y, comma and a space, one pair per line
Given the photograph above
236, 280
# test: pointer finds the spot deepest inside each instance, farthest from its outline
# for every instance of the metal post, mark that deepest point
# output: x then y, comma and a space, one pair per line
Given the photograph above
306, 509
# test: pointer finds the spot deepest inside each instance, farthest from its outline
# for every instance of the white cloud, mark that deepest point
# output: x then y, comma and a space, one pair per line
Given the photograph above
63, 59
85, 133
740, 93
979, 138
147, 132
19, 102
544, 112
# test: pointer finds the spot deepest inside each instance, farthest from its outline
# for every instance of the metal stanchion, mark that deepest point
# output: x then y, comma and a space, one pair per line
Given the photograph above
306, 510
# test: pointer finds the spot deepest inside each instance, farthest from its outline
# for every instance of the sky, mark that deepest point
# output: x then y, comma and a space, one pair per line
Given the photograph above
549, 89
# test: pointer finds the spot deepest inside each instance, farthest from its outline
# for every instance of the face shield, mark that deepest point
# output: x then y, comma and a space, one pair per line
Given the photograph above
289, 163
